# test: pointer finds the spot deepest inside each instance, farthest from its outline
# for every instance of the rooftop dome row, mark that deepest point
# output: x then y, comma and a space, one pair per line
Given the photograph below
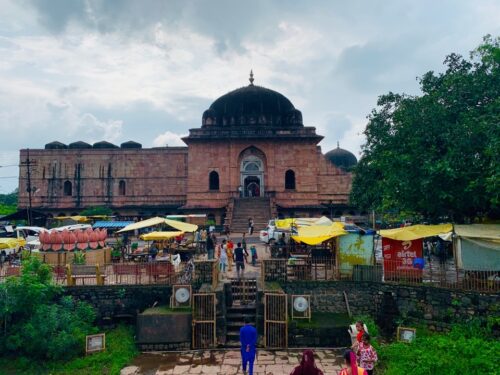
83, 145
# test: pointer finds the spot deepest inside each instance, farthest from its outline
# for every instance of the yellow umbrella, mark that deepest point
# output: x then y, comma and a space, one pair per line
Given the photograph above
143, 224
414, 232
159, 236
77, 218
316, 234
179, 225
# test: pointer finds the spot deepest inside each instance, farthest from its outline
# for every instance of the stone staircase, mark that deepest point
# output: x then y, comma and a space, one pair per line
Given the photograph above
244, 293
259, 209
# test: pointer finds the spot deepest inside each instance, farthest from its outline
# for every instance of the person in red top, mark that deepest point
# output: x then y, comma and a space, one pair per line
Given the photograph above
307, 365
360, 327
367, 356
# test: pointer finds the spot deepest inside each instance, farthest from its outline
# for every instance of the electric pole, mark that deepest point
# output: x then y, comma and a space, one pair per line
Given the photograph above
28, 163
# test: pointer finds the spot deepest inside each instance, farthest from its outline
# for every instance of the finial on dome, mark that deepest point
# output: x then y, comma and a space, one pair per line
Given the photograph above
338, 144
251, 78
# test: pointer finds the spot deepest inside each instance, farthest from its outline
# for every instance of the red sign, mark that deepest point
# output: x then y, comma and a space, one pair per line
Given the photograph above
399, 257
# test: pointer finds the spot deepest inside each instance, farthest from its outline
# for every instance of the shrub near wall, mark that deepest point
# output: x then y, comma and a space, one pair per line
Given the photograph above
467, 349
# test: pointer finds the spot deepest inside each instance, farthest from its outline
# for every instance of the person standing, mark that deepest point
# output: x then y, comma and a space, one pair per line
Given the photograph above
230, 255
211, 241
239, 258
360, 328
248, 339
366, 354
223, 258
3, 257
307, 365
250, 226
244, 245
253, 252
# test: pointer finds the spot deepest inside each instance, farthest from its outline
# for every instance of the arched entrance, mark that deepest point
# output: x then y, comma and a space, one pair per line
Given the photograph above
252, 176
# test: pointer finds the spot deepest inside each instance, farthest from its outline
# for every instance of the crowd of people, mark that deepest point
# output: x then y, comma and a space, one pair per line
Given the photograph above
228, 254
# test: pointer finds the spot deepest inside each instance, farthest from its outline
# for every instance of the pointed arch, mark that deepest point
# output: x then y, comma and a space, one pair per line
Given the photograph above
122, 188
68, 188
213, 181
290, 180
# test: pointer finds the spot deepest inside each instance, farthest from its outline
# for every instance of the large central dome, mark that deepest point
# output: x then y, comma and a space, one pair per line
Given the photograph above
252, 105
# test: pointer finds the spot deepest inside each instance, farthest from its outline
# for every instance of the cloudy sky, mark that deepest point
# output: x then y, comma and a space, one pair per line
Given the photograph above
145, 70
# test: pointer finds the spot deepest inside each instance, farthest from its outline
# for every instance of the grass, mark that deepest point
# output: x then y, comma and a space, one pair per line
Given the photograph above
272, 286
120, 350
325, 320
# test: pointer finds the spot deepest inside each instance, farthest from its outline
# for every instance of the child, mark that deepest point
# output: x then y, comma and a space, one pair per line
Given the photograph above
253, 252
366, 354
360, 327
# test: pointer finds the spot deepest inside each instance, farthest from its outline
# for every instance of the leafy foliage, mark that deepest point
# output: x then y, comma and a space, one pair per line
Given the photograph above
37, 321
437, 154
467, 349
9, 199
98, 210
120, 350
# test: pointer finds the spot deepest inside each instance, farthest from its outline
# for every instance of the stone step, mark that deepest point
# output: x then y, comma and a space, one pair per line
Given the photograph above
233, 343
239, 317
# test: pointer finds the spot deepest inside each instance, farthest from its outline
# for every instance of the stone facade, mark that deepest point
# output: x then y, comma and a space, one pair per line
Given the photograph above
249, 140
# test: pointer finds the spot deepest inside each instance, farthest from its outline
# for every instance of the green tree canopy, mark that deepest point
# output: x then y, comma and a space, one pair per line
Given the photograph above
98, 210
437, 154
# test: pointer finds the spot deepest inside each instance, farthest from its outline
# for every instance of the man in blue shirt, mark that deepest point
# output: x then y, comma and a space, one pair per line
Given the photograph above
248, 339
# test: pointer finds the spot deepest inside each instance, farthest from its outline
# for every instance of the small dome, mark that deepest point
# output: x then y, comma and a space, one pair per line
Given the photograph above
55, 146
104, 144
79, 145
130, 144
341, 158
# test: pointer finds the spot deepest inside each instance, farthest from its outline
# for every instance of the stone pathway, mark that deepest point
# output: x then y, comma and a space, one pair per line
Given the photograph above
219, 362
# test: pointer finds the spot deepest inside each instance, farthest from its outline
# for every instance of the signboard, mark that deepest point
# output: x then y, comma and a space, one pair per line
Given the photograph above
355, 249
399, 257
95, 343
406, 334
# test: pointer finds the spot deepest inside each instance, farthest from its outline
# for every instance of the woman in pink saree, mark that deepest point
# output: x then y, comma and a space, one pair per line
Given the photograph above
352, 366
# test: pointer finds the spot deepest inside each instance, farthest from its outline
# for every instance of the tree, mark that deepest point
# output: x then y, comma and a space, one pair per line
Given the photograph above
37, 321
98, 210
437, 155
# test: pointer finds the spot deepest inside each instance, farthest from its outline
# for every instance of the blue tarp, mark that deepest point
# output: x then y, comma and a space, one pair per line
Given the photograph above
111, 224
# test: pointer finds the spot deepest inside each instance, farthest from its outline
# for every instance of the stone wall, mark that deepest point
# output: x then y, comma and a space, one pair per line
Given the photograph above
121, 300
153, 177
389, 303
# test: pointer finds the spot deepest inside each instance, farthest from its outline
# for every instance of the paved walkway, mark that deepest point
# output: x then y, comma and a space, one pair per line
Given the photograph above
228, 362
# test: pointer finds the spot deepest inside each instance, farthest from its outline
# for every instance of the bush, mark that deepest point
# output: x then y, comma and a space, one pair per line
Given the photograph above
120, 350
467, 349
37, 321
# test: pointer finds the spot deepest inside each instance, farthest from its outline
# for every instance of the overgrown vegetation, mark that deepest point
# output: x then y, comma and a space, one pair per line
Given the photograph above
120, 351
43, 332
37, 321
469, 348
8, 203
